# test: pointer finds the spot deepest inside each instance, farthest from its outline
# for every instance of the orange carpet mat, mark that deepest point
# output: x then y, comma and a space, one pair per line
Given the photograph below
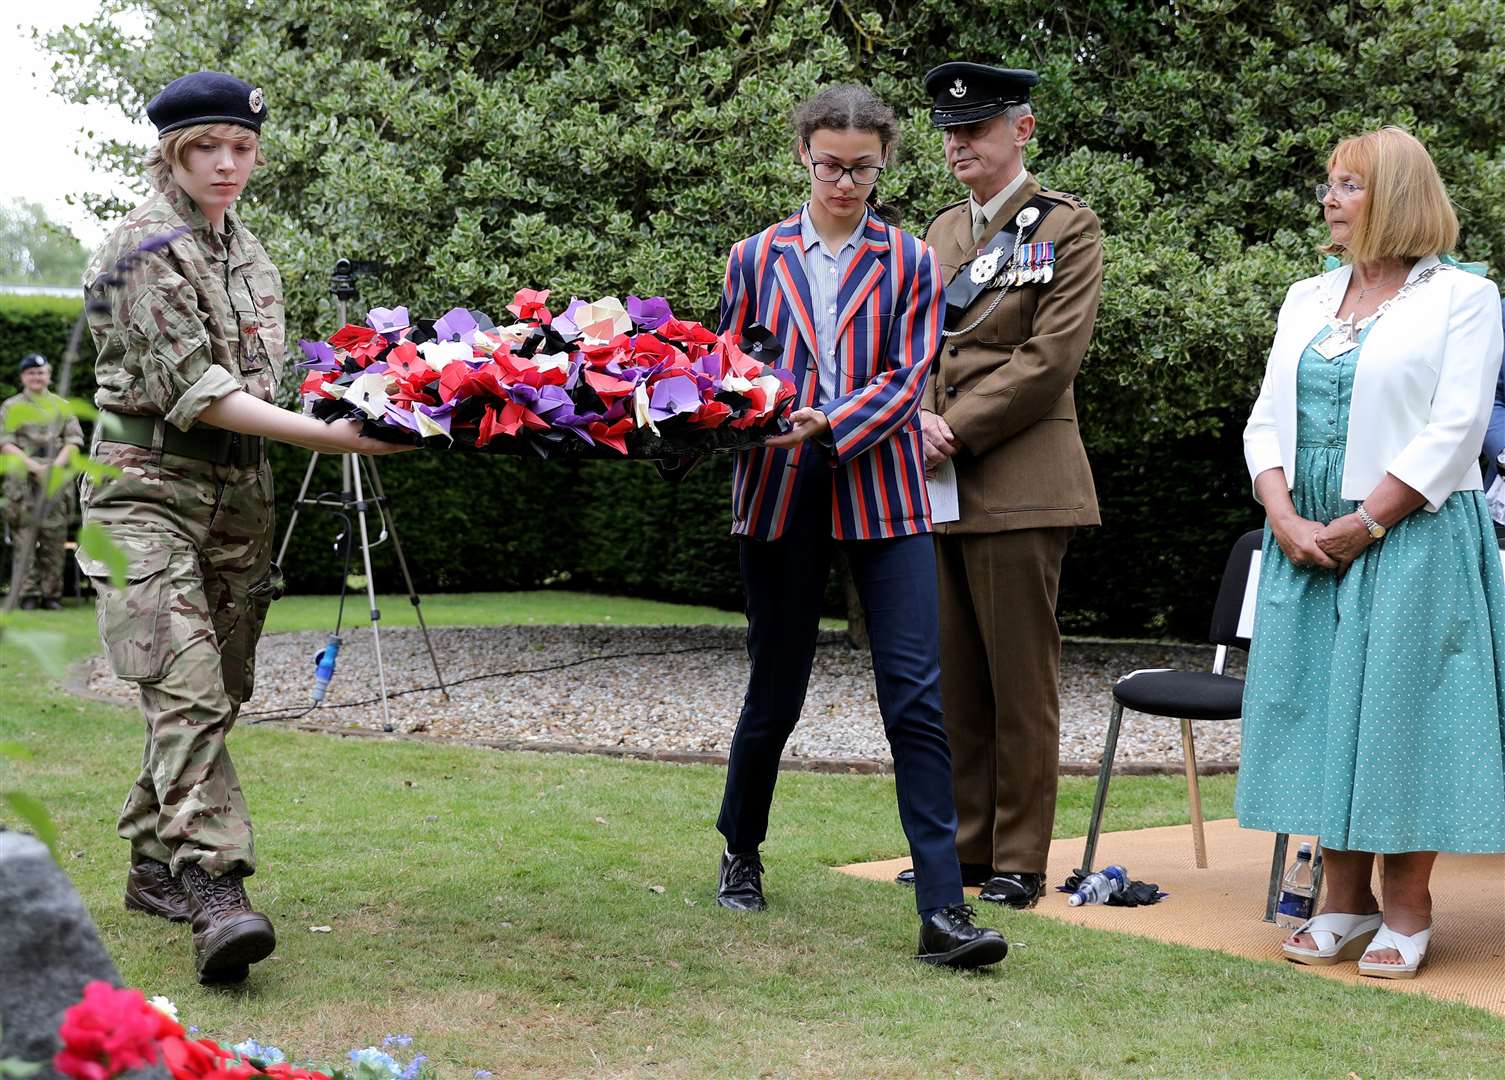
1222, 907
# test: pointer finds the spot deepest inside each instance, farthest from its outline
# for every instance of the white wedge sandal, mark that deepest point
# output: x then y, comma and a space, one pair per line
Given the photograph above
1338, 937
1412, 949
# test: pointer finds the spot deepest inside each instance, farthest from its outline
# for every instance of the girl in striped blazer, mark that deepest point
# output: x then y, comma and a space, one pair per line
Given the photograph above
856, 305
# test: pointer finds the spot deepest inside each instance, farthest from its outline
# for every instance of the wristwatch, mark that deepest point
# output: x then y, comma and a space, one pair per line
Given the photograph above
1376, 530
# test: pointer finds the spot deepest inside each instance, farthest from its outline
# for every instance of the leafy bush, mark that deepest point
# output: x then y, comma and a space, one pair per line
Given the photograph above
624, 147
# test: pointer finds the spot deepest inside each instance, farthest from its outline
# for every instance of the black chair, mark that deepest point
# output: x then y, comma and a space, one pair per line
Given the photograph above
1188, 696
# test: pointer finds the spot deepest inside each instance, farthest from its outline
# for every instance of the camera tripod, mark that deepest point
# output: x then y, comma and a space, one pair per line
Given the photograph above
357, 474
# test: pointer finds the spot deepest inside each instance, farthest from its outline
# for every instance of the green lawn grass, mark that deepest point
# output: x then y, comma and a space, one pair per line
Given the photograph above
501, 908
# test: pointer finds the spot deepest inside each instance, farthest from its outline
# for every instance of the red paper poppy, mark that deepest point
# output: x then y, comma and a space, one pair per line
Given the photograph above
689, 332
711, 415
361, 342
612, 434
315, 382
530, 304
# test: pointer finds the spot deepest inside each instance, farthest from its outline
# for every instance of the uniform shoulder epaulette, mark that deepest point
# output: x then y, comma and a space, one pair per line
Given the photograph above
937, 215
1066, 197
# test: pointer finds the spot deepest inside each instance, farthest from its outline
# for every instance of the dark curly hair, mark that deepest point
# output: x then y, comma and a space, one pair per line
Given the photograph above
851, 107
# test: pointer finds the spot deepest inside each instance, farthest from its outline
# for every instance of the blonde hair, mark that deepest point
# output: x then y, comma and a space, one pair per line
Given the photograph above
172, 148
1408, 214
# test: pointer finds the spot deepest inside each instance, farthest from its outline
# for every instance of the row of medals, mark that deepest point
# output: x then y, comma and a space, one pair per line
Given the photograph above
1031, 264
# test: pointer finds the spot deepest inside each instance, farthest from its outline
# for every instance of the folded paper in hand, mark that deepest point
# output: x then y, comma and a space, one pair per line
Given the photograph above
941, 483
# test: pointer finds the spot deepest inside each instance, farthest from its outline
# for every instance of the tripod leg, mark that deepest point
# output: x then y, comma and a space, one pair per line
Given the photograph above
407, 576
353, 477
287, 537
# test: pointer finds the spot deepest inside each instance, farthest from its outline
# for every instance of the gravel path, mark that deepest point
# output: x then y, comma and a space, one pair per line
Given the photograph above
673, 689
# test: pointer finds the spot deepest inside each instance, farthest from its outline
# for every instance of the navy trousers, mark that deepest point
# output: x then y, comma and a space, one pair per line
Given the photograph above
785, 580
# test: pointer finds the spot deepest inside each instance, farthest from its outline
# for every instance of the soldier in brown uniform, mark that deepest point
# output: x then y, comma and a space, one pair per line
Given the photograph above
1023, 268
186, 311
42, 442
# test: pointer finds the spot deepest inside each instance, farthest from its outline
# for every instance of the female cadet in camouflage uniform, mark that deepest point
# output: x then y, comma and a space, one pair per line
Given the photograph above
190, 350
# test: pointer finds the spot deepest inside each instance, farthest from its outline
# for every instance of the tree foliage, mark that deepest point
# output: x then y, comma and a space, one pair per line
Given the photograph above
35, 250
622, 147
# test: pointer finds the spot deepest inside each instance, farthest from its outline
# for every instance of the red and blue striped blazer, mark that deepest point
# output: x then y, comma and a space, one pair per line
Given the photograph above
888, 330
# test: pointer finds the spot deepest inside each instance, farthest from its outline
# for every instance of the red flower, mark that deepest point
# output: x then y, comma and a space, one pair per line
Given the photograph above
530, 304
361, 342
109, 1032
293, 1072
710, 415
203, 1059
691, 333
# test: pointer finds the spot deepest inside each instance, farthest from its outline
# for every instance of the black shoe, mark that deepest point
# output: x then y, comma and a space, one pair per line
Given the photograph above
1015, 890
228, 937
51, 604
150, 887
973, 873
740, 885
28, 603
949, 938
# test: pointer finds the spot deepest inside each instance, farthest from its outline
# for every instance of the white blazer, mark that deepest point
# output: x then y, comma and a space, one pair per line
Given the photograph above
1422, 391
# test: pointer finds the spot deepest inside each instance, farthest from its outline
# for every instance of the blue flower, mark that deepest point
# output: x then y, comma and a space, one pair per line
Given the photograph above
483, 1074
376, 1059
267, 1055
414, 1067
397, 1040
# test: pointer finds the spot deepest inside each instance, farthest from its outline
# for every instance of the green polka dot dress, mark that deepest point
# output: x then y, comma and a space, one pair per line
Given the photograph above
1372, 710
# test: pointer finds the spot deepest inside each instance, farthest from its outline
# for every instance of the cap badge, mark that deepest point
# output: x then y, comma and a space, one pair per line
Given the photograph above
959, 90
1027, 217
258, 100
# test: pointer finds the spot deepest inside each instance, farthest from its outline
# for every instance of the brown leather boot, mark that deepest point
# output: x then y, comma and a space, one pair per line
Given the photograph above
228, 937
150, 887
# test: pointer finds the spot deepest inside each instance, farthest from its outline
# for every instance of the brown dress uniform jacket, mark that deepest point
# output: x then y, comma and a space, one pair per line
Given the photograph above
1005, 388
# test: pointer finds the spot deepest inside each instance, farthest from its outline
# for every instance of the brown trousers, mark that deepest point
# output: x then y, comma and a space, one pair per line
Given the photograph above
1000, 689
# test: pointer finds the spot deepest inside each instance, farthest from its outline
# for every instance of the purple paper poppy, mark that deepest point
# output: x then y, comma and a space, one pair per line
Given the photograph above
649, 314
565, 324
388, 320
672, 396
320, 356
457, 324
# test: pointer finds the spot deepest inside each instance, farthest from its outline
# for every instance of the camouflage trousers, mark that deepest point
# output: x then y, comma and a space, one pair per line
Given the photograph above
198, 538
44, 577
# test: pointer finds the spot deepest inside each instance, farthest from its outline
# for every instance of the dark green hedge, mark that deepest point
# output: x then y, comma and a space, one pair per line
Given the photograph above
41, 324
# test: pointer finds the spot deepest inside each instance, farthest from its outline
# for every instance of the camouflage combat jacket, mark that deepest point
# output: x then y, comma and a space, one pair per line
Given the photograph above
192, 322
38, 440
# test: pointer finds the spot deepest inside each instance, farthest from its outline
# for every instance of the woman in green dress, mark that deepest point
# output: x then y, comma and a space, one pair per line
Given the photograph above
1376, 684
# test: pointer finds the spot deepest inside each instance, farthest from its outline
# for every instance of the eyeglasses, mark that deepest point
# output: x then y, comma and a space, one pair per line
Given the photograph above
1344, 188
828, 172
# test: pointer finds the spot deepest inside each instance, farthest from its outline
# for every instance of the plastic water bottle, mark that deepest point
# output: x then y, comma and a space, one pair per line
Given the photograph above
324, 667
1298, 897
1096, 888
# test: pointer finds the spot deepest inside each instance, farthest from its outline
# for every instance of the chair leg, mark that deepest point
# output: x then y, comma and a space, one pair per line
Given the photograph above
1277, 872
1104, 774
1194, 795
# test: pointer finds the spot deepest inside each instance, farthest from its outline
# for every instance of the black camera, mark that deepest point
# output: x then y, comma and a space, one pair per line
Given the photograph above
342, 280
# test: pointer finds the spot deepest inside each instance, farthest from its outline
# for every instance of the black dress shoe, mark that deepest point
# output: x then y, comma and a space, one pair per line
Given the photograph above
51, 604
1015, 890
28, 603
973, 873
949, 938
740, 885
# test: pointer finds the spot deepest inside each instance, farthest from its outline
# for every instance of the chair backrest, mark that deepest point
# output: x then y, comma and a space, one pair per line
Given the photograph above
1233, 614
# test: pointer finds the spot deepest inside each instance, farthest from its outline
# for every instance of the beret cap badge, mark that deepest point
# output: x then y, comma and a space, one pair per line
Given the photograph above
257, 100
959, 90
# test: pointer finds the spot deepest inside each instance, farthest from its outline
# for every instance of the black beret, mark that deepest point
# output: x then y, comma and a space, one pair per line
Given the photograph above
33, 360
966, 93
207, 97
